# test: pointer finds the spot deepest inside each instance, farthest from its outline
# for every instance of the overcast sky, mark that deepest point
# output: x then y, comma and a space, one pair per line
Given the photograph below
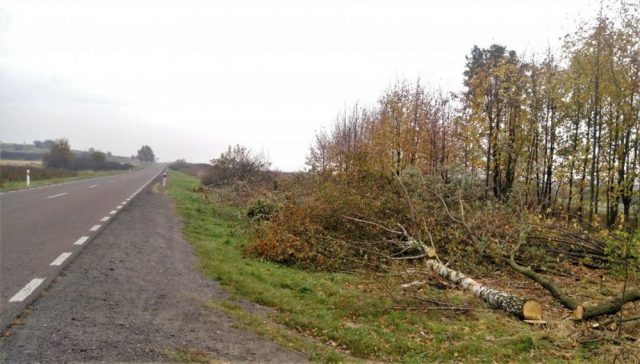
190, 78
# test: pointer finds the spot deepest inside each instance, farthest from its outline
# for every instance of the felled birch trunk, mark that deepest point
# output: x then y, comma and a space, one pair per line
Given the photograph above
529, 310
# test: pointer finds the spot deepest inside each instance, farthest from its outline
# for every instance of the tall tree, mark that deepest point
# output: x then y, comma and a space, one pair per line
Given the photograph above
59, 156
146, 155
494, 79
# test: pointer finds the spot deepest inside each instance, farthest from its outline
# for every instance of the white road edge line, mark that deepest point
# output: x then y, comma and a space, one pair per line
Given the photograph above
26, 290
60, 259
81, 240
113, 212
95, 228
58, 195
118, 207
106, 218
93, 186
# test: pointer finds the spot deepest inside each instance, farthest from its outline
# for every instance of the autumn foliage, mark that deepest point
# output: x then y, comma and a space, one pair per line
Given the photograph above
552, 139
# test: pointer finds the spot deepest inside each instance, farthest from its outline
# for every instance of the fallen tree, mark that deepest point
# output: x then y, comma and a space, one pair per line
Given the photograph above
526, 309
580, 312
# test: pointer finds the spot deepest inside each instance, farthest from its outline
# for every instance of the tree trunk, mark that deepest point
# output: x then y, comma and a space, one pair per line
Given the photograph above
571, 169
520, 307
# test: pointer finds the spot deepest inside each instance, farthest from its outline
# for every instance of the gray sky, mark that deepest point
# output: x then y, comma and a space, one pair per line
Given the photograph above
190, 78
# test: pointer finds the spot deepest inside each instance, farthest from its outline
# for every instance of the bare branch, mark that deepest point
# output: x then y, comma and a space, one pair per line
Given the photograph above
375, 224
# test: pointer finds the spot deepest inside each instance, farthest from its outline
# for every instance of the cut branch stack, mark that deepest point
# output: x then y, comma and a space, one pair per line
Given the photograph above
574, 246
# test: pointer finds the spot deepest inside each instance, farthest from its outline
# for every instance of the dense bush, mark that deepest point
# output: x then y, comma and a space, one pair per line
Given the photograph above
313, 227
236, 164
97, 161
19, 173
192, 169
368, 218
262, 210
59, 156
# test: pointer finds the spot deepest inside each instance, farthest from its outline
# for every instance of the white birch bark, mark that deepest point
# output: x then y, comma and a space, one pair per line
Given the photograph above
522, 308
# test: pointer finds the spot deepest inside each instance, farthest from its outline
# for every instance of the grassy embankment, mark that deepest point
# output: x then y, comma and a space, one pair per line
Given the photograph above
349, 317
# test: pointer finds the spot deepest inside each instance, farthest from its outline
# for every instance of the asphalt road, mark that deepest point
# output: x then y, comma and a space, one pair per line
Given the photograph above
41, 229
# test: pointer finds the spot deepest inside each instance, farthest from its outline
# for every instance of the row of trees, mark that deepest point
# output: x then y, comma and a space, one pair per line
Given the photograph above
61, 156
563, 129
44, 144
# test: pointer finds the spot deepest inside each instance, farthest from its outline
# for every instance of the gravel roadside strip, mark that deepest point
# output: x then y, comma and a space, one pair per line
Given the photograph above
132, 295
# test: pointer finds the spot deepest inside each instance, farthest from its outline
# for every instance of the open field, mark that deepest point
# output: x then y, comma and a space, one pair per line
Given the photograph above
11, 162
352, 316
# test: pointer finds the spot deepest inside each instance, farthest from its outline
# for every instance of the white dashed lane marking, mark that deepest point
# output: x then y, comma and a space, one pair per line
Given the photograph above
81, 240
27, 290
60, 259
36, 282
58, 195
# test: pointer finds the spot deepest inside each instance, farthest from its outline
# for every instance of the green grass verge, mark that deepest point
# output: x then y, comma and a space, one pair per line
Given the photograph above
18, 185
338, 309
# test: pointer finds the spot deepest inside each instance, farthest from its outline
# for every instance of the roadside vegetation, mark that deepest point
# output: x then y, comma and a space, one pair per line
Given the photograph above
334, 316
499, 223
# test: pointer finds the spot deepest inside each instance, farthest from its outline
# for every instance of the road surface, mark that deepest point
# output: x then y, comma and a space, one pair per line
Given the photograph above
41, 229
135, 295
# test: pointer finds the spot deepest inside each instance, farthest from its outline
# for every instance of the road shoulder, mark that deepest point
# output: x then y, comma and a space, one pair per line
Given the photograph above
134, 295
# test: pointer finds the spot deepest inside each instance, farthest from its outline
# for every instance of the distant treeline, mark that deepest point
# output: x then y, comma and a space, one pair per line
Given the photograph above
81, 161
57, 154
5, 154
90, 161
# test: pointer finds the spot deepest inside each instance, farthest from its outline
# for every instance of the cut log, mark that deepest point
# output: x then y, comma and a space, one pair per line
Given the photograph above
525, 309
578, 312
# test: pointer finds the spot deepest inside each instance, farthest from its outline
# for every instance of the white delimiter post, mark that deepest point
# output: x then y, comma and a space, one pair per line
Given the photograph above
164, 179
28, 177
